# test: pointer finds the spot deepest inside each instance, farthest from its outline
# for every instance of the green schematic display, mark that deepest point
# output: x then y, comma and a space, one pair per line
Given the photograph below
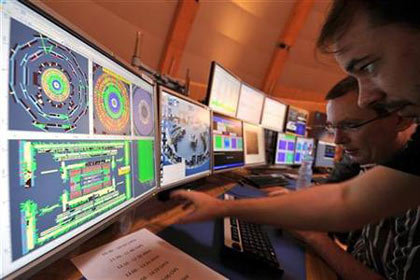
59, 185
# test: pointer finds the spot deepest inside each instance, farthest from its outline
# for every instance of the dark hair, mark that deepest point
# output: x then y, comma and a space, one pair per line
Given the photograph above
346, 85
380, 12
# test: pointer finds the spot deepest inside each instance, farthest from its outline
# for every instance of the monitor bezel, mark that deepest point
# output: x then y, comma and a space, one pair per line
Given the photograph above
285, 118
262, 106
37, 264
277, 143
213, 66
255, 164
317, 151
243, 151
194, 177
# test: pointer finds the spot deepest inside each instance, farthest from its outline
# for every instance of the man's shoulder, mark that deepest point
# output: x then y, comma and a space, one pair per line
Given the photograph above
408, 159
407, 220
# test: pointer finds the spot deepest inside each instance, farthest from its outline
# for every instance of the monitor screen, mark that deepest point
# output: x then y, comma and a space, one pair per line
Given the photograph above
254, 144
228, 148
296, 121
285, 149
250, 104
325, 153
185, 139
270, 139
303, 146
78, 139
274, 114
223, 90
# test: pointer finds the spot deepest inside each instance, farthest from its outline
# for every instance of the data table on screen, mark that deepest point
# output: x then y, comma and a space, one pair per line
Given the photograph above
250, 104
274, 114
224, 91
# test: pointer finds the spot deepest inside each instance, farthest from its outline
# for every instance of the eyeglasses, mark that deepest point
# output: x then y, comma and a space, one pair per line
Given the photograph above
349, 127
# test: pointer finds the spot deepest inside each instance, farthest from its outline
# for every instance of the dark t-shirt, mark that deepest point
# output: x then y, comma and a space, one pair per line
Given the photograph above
408, 160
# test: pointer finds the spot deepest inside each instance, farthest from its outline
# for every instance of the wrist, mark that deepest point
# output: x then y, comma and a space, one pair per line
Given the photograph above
223, 208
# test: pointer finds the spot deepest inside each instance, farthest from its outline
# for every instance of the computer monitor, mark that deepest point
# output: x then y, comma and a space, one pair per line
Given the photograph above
185, 139
274, 114
77, 144
250, 105
285, 150
254, 144
303, 146
270, 137
325, 153
223, 90
228, 147
296, 121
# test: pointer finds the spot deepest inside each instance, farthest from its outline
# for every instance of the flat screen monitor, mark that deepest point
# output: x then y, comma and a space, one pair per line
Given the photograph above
296, 121
223, 90
250, 104
274, 114
270, 138
228, 145
78, 139
325, 153
185, 139
285, 150
303, 146
254, 144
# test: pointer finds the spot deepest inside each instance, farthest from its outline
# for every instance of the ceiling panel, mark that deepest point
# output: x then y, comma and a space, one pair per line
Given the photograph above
241, 35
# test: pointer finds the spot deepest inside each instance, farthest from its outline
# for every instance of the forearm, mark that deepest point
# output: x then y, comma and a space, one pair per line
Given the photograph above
340, 261
308, 209
338, 207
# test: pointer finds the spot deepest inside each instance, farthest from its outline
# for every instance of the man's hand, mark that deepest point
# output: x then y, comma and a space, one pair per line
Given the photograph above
205, 207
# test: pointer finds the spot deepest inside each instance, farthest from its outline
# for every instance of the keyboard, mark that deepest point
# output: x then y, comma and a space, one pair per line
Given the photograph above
265, 180
249, 240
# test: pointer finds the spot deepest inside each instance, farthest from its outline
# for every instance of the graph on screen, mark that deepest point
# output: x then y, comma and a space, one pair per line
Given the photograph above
224, 91
48, 84
78, 145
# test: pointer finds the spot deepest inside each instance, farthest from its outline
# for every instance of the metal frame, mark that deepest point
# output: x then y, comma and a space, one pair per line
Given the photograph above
186, 99
243, 152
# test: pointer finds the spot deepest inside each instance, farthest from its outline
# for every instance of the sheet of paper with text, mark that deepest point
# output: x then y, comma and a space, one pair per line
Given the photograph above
142, 256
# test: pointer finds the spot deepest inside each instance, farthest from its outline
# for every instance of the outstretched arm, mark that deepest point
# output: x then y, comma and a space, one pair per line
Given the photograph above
379, 193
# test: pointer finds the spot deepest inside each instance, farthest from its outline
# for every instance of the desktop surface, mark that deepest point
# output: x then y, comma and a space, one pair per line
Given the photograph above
160, 218
204, 241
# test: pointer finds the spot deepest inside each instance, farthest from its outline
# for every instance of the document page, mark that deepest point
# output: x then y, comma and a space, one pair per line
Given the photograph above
142, 256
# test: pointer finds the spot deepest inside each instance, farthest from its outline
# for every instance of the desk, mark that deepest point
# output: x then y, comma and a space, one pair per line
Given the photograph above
156, 216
